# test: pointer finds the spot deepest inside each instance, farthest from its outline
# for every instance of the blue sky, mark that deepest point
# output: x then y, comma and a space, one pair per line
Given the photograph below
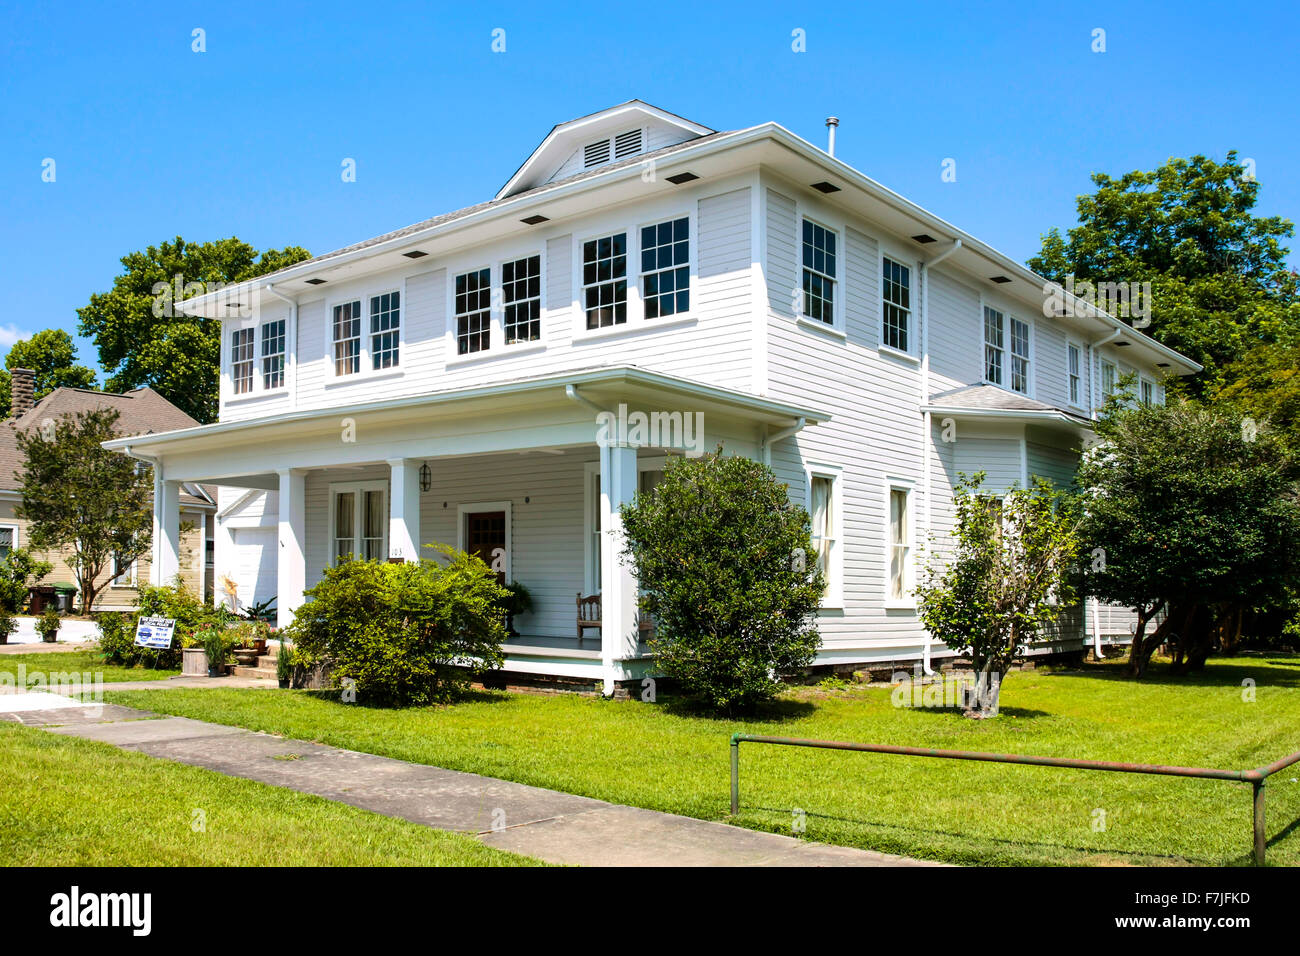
152, 140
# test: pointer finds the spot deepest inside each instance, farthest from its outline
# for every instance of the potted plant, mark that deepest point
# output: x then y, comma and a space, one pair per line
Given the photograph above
284, 664
518, 601
216, 648
48, 625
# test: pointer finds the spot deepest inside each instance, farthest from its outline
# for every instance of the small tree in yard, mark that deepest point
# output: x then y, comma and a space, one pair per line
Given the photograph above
404, 633
1006, 579
1191, 511
725, 564
79, 495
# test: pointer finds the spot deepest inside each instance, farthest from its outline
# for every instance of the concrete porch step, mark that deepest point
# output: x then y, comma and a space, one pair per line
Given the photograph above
267, 672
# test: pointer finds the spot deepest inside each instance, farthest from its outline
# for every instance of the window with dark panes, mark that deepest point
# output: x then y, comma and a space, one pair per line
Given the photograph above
521, 291
604, 280
347, 338
665, 268
819, 272
385, 329
241, 361
473, 311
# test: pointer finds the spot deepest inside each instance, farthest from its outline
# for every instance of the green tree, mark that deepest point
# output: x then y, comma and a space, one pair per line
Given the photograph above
723, 559
81, 496
1191, 513
52, 355
1265, 385
1219, 280
1006, 579
144, 340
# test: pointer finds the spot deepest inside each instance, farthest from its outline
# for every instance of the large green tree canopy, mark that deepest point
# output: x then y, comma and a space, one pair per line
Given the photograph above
52, 355
1219, 280
143, 341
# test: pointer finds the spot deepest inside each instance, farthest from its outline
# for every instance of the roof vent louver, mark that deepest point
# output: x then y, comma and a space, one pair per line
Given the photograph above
627, 144
596, 153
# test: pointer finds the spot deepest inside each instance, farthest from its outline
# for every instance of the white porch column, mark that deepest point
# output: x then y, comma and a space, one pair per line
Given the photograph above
291, 564
618, 631
404, 509
166, 529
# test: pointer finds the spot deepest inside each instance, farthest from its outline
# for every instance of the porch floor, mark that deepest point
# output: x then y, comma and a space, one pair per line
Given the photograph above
532, 645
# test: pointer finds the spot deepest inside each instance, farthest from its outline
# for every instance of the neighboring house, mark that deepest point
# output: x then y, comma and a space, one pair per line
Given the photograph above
140, 411
446, 382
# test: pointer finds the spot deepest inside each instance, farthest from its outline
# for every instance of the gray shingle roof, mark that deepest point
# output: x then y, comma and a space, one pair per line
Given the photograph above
992, 398
140, 412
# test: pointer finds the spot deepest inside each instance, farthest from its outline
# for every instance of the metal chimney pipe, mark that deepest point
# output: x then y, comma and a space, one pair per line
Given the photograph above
831, 123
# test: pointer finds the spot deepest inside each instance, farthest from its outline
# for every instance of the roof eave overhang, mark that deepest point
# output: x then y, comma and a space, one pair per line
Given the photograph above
598, 383
1026, 416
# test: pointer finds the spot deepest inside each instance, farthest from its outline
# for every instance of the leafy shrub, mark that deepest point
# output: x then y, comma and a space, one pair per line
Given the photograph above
19, 572
7, 626
405, 633
247, 632
724, 561
48, 625
216, 645
284, 662
176, 601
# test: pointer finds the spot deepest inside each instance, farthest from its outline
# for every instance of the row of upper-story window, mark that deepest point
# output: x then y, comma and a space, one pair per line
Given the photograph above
624, 277
1007, 340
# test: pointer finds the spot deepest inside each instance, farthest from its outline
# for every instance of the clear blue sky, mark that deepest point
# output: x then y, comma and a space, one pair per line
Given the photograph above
152, 140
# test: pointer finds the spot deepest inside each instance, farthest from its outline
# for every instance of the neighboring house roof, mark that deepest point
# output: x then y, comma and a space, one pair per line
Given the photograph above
141, 411
982, 400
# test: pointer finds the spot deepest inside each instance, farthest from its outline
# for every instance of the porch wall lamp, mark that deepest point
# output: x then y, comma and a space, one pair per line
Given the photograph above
426, 477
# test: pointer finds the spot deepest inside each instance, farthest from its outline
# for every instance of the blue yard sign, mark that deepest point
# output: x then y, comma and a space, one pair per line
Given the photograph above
155, 632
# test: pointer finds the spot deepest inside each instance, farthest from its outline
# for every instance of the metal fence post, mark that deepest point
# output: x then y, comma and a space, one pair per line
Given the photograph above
1260, 841
735, 774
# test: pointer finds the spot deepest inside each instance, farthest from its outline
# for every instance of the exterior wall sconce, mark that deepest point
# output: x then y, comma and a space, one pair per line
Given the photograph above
426, 477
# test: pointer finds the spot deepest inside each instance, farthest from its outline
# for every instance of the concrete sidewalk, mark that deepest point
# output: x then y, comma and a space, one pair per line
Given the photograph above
547, 824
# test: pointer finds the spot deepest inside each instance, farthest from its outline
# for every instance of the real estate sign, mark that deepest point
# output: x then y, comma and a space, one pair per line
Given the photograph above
155, 632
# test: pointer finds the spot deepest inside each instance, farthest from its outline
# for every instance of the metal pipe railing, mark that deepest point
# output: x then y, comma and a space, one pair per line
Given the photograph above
1255, 777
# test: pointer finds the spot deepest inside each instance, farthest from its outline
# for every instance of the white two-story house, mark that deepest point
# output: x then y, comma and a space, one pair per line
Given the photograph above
453, 381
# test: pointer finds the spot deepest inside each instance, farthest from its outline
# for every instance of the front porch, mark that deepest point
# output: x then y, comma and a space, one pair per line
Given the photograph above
533, 486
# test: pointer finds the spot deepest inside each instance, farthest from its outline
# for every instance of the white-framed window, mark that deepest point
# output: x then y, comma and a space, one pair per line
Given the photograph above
347, 338
385, 330
896, 305
820, 260
521, 293
1074, 374
666, 268
1147, 391
1107, 379
241, 360
825, 508
473, 310
359, 521
604, 280
1001, 331
273, 354
123, 573
8, 539
1019, 356
994, 346
899, 561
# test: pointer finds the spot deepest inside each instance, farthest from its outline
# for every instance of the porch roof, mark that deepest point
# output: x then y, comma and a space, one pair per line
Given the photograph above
601, 385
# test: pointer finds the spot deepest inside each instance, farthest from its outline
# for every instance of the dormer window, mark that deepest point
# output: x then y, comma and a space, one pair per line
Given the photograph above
618, 146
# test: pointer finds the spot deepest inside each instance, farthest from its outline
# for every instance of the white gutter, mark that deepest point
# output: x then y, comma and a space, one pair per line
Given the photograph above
769, 440
927, 427
290, 346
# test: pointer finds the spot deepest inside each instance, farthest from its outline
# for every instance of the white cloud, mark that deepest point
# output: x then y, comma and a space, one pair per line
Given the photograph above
9, 334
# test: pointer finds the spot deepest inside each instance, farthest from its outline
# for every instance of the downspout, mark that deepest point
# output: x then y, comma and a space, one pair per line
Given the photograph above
927, 427
768, 440
572, 392
291, 355
1094, 379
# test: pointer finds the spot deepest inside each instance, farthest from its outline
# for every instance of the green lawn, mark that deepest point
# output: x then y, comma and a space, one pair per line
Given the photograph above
660, 757
71, 802
79, 662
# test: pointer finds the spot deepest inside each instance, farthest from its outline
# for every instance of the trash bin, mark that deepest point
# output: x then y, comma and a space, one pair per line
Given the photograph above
64, 593
42, 596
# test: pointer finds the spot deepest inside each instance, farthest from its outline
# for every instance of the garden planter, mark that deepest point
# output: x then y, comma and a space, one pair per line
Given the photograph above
284, 683
50, 638
194, 662
246, 656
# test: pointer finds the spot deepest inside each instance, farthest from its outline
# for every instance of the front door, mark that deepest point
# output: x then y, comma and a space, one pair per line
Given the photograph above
485, 537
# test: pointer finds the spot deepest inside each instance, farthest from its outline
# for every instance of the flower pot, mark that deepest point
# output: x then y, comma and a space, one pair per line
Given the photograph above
50, 638
217, 671
194, 662
284, 683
